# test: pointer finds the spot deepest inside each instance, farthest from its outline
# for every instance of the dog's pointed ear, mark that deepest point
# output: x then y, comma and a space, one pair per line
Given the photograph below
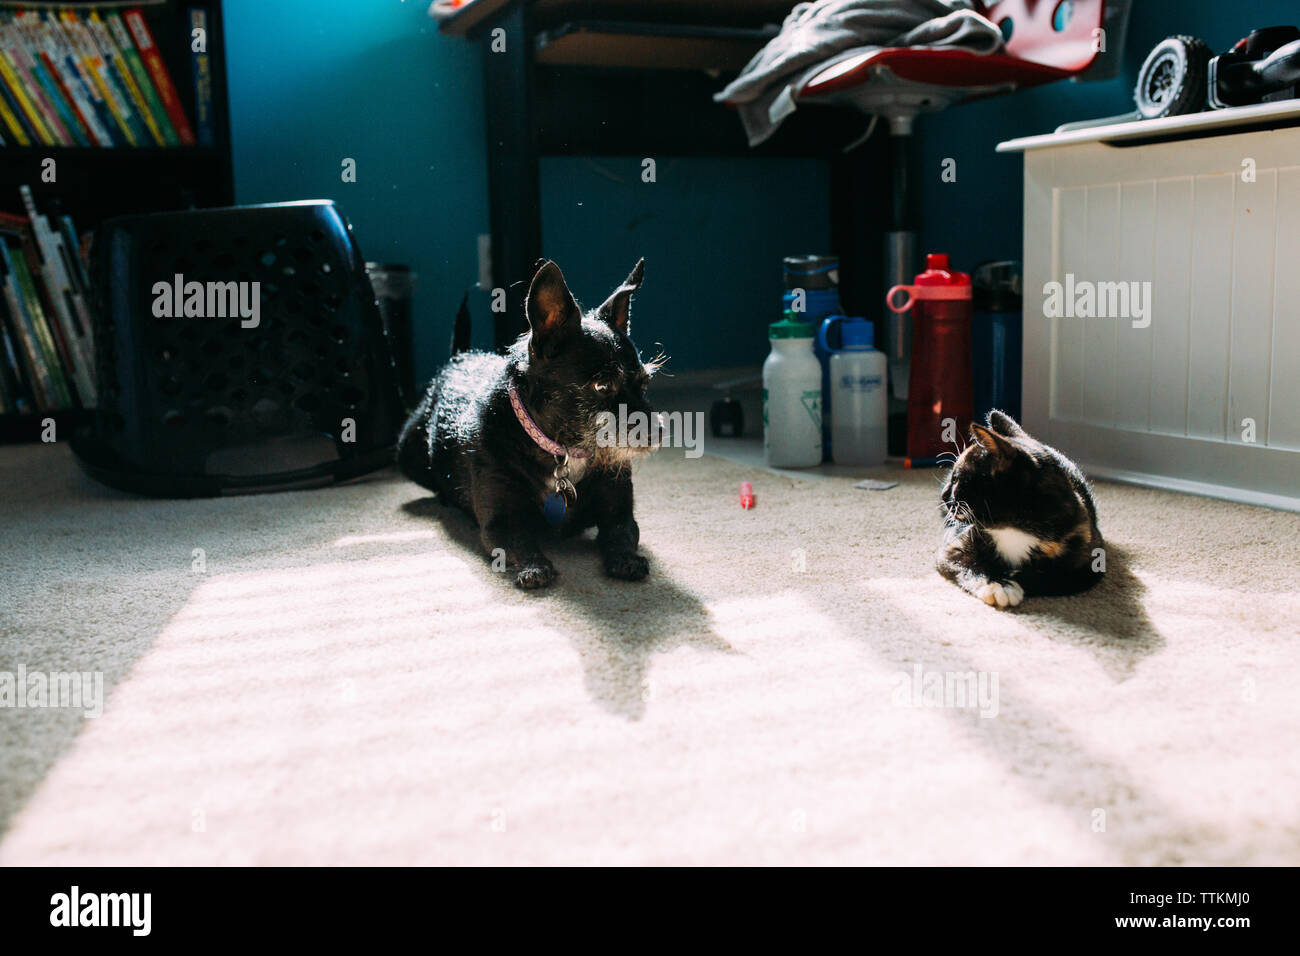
617, 309
1005, 425
551, 310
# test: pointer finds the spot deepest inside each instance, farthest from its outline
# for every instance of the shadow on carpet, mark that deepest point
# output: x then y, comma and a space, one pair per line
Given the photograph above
1110, 620
628, 621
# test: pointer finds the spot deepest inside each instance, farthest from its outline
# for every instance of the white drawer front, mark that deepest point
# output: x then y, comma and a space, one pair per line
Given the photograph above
1162, 302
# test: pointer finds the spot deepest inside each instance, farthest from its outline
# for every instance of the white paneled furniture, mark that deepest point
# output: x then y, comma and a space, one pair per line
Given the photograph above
1195, 386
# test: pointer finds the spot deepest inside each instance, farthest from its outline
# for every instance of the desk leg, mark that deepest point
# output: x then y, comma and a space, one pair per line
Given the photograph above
860, 207
514, 194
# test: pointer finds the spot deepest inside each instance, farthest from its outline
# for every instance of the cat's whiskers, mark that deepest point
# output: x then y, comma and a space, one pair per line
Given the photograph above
959, 511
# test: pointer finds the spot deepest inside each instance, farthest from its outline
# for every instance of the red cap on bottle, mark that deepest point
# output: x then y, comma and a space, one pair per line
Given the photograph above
937, 282
937, 272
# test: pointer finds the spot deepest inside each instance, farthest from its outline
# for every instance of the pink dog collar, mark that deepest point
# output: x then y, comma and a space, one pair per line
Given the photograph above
537, 435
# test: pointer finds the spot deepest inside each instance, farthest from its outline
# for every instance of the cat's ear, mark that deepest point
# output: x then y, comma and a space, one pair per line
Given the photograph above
617, 309
1005, 425
551, 310
996, 445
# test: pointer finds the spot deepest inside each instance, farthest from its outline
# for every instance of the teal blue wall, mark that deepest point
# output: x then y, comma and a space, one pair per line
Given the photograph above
713, 233
979, 216
314, 81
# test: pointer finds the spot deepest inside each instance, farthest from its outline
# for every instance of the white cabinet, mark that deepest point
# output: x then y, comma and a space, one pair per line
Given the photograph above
1169, 354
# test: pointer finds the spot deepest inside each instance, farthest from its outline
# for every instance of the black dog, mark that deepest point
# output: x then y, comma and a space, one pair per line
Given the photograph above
525, 439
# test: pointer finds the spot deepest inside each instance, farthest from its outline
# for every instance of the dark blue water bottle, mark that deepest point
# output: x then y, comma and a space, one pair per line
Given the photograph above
996, 338
813, 294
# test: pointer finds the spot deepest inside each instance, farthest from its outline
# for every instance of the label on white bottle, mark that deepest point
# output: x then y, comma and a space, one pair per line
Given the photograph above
792, 426
811, 400
861, 383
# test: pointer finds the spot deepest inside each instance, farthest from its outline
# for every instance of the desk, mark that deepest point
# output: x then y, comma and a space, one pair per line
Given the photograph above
552, 88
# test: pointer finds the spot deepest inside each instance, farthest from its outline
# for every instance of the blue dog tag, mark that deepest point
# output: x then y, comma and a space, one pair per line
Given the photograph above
554, 508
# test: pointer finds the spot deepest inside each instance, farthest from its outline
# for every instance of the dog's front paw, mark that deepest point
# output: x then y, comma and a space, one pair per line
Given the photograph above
627, 565
995, 594
534, 576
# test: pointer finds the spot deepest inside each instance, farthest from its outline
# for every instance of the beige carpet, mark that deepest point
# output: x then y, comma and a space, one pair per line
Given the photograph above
349, 682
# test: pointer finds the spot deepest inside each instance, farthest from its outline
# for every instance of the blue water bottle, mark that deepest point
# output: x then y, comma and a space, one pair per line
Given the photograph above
996, 338
813, 294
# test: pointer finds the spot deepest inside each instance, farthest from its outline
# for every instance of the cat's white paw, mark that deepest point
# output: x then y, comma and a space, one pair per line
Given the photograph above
1001, 595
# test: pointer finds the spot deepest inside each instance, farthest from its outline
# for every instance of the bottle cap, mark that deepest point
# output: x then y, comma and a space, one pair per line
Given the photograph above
812, 272
936, 283
789, 328
996, 286
938, 272
857, 335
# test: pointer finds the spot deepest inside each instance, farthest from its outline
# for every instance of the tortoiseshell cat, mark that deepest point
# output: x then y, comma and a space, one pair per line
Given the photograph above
1019, 519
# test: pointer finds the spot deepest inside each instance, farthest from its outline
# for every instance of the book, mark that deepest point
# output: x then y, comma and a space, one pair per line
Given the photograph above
162, 80
66, 305
19, 83
74, 85
33, 30
52, 347
112, 55
117, 70
55, 89
11, 368
6, 401
103, 75
46, 352
152, 103
24, 329
42, 89
9, 394
9, 117
76, 262
107, 125
76, 75
202, 64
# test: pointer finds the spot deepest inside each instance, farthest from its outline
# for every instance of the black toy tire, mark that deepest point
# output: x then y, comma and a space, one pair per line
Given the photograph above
1173, 79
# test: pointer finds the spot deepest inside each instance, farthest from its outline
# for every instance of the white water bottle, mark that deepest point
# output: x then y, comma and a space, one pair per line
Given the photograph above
792, 397
859, 410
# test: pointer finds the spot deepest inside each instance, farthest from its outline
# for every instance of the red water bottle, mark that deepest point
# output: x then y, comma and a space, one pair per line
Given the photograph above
940, 384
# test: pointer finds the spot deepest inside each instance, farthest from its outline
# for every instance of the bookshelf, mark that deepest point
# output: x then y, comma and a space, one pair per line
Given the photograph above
95, 183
